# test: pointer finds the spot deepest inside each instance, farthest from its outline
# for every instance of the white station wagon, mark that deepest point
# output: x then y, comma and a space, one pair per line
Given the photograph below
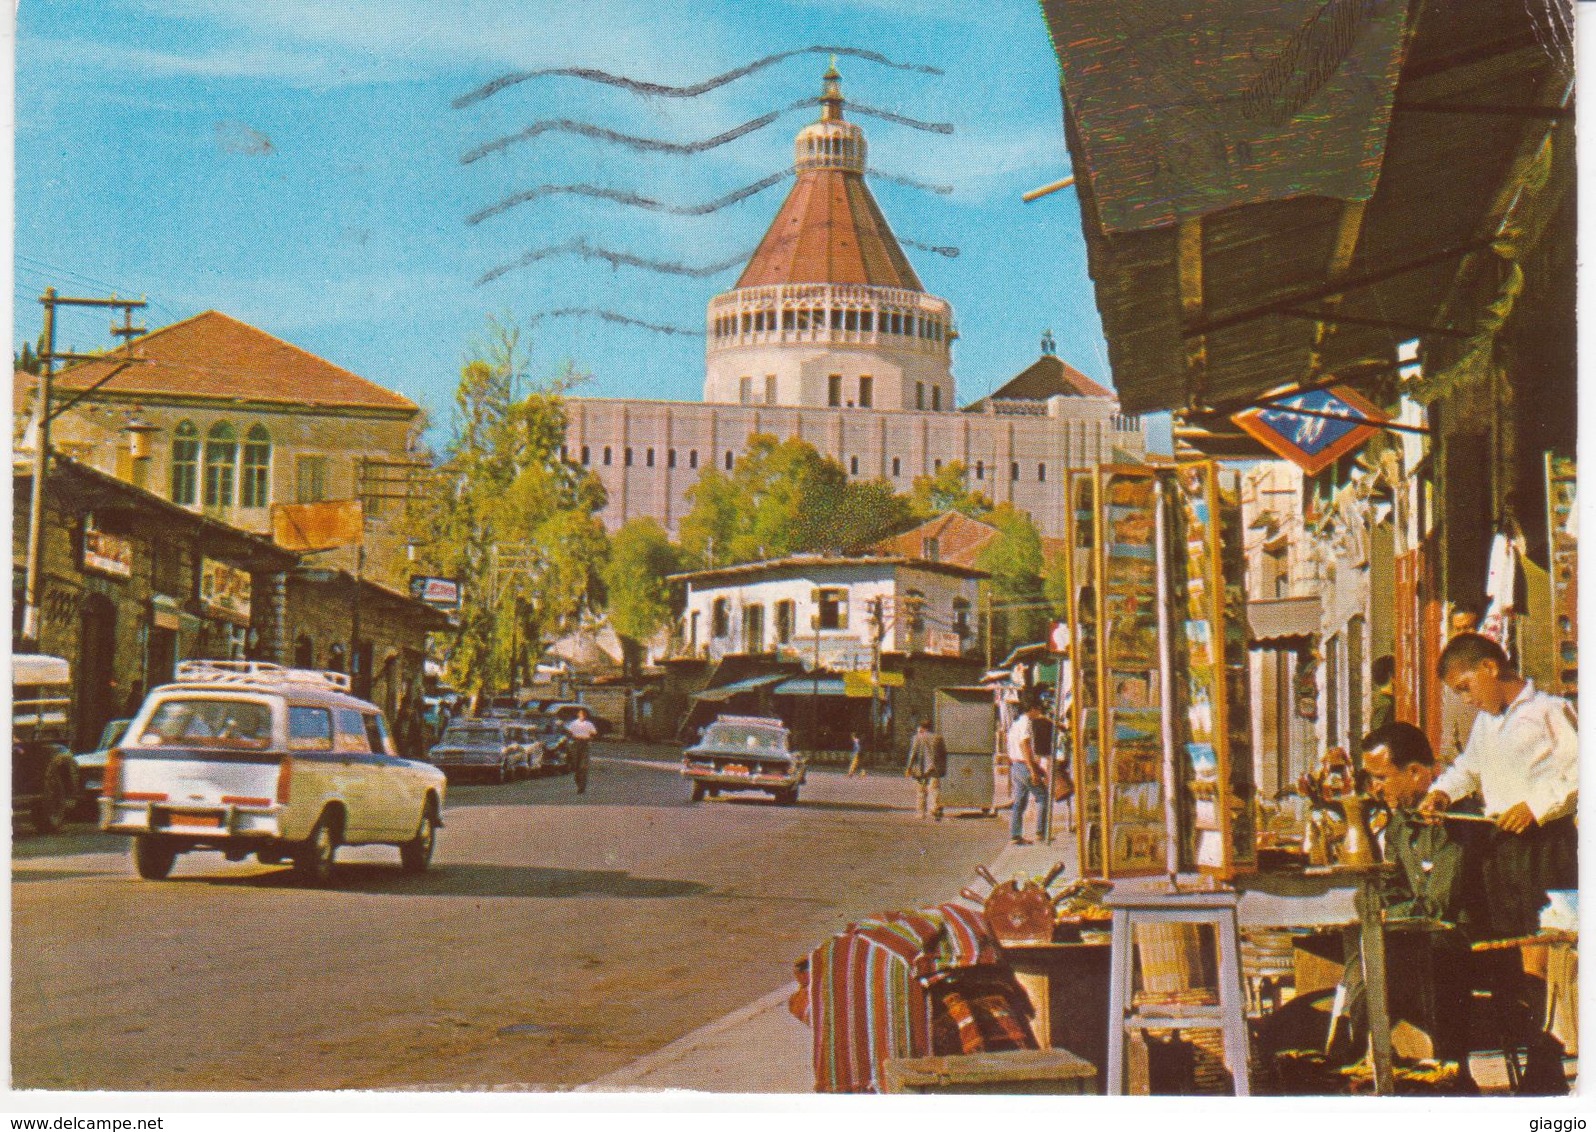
284, 763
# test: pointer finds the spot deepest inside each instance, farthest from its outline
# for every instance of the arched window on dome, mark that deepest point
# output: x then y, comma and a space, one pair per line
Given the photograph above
221, 465
256, 486
185, 464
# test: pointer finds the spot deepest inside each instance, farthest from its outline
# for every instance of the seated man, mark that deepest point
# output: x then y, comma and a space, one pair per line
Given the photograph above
1432, 902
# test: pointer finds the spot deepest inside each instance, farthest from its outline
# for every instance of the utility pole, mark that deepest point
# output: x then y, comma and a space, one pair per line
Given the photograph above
41, 443
878, 631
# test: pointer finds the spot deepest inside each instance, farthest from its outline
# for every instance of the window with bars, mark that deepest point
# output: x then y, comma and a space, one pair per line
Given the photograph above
185, 464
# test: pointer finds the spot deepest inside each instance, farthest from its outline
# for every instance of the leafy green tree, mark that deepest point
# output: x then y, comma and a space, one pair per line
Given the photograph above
783, 497
947, 490
638, 597
1014, 559
513, 520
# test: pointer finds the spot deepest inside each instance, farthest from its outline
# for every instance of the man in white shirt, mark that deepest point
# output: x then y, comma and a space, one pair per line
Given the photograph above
1026, 773
1522, 759
582, 730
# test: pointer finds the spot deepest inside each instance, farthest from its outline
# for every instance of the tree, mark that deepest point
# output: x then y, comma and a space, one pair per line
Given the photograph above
514, 521
947, 490
638, 597
27, 361
1014, 560
783, 497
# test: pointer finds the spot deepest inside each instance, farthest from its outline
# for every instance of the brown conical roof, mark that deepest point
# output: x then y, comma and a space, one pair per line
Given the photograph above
830, 228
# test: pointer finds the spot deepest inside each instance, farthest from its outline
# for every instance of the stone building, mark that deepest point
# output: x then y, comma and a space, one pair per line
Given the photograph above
830, 336
226, 420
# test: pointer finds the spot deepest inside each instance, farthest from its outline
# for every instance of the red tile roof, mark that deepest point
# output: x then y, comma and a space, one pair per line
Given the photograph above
215, 355
1049, 376
830, 230
960, 540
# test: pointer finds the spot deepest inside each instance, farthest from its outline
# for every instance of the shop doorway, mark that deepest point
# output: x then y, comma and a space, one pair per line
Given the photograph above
161, 658
96, 669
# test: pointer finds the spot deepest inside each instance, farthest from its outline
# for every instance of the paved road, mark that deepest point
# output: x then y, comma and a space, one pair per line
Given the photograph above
557, 939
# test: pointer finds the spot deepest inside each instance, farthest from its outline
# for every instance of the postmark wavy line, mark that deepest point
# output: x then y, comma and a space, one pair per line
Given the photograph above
692, 90
660, 145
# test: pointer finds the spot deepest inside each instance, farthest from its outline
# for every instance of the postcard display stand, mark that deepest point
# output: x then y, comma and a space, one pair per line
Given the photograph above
1219, 770
1120, 814
1562, 534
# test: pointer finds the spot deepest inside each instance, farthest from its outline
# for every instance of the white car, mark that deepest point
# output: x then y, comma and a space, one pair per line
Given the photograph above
284, 763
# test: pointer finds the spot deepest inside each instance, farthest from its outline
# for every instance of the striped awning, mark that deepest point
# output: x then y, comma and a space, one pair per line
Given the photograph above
808, 686
1283, 621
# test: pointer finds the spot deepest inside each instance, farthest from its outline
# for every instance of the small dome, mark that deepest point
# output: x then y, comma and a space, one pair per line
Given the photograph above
830, 143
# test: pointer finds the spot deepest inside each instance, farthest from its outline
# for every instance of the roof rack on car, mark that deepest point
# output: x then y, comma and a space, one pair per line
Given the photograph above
256, 672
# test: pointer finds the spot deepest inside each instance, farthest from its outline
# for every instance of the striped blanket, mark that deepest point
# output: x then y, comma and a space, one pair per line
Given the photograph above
880, 989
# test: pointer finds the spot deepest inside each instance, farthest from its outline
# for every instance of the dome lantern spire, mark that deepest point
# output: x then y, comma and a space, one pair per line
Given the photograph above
830, 143
831, 94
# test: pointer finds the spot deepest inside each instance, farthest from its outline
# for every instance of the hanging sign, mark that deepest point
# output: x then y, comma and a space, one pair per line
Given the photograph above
443, 593
105, 553
225, 589
1325, 426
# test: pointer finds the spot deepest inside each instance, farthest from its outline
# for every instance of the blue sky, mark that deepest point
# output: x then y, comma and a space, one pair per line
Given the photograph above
297, 165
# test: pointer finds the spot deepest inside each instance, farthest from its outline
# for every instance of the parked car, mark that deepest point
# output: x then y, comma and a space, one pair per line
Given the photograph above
246, 757
554, 744
91, 768
44, 780
477, 748
744, 752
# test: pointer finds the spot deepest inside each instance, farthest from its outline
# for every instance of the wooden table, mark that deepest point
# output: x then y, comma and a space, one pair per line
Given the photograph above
1320, 898
1068, 985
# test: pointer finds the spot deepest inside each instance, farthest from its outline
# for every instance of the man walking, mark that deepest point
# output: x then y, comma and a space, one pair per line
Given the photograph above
582, 730
927, 765
1026, 774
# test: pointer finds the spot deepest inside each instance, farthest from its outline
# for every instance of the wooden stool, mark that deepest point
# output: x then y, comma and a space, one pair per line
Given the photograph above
1229, 1017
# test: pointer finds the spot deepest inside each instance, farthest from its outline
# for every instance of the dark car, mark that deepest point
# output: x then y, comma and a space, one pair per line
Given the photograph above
744, 752
44, 780
477, 748
91, 768
553, 744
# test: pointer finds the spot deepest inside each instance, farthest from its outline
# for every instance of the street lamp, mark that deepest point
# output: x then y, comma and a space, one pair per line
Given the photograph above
814, 674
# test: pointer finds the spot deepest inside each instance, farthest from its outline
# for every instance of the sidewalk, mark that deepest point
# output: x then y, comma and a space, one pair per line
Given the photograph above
762, 1048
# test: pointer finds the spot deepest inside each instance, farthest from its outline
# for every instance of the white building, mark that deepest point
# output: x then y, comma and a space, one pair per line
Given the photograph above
818, 608
829, 336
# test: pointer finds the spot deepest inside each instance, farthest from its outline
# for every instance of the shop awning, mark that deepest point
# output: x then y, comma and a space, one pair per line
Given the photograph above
726, 691
1302, 217
807, 686
1283, 621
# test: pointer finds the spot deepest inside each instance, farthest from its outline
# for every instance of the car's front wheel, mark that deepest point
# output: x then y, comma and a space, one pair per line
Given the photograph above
50, 811
153, 856
699, 790
786, 797
313, 863
416, 854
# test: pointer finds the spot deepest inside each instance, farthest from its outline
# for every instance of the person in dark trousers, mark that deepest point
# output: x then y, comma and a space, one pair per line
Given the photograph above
1437, 882
1522, 761
582, 730
928, 766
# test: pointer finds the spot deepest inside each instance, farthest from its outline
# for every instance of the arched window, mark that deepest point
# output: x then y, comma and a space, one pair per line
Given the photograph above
221, 465
255, 491
185, 464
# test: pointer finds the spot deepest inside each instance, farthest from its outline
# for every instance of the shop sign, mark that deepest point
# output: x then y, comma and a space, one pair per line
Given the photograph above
941, 642
1315, 428
225, 589
443, 593
105, 553
165, 612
